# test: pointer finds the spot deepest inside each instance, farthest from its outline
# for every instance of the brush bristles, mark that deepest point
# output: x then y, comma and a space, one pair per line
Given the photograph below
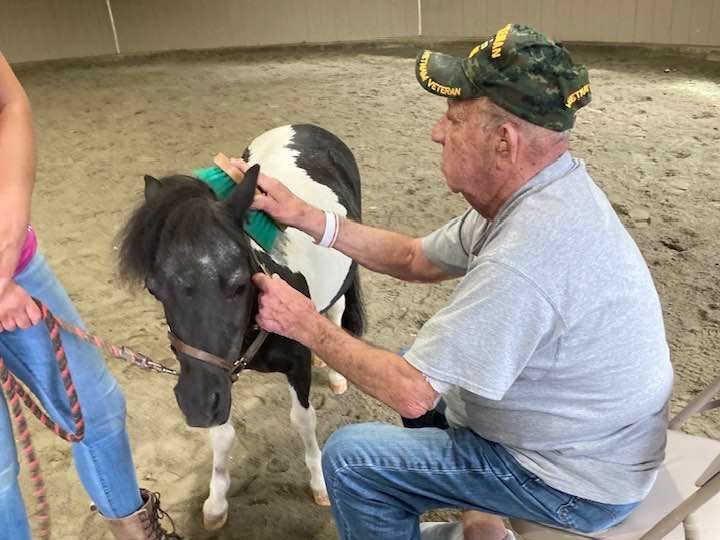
221, 184
259, 226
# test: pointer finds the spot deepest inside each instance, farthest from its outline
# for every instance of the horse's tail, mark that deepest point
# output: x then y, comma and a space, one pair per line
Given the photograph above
353, 319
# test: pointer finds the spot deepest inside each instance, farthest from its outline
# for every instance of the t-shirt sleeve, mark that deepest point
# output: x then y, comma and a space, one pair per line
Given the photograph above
449, 246
485, 337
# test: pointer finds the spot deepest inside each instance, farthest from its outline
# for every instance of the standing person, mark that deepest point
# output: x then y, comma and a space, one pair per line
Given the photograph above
103, 459
550, 357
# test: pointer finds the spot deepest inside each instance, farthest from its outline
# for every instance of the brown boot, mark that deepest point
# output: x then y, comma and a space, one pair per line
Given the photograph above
145, 523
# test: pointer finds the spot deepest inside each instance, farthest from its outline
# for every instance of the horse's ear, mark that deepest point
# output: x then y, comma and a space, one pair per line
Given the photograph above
152, 187
242, 196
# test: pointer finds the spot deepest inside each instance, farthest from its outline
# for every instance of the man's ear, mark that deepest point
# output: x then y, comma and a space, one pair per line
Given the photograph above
152, 187
242, 196
507, 146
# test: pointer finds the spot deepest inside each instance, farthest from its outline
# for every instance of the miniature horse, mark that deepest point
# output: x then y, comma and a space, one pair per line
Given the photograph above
190, 250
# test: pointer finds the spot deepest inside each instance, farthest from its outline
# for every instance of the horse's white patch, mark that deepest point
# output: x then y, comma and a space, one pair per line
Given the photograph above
338, 383
215, 507
304, 421
324, 269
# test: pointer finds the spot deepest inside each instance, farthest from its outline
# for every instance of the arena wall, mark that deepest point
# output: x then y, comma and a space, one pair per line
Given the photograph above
49, 29
202, 24
654, 22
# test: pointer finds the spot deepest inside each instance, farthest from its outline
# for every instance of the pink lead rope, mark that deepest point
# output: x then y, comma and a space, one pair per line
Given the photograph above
17, 395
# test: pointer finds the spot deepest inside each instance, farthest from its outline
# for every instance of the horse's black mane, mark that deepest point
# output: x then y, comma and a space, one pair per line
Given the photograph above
181, 214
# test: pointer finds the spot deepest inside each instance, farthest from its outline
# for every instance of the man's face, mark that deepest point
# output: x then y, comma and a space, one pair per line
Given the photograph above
468, 158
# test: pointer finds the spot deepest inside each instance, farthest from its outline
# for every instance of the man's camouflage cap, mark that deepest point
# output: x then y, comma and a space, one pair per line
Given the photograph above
519, 69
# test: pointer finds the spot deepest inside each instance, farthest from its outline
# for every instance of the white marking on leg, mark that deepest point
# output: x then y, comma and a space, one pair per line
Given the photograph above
338, 383
215, 507
304, 422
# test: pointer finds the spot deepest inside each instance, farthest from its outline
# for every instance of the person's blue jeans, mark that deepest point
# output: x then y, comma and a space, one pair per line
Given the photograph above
103, 459
381, 478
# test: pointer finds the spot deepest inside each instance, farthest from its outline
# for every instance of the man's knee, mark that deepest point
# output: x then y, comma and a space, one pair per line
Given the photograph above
334, 454
345, 447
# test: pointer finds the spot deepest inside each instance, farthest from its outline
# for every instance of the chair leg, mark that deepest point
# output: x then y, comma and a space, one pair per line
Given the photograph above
691, 528
683, 510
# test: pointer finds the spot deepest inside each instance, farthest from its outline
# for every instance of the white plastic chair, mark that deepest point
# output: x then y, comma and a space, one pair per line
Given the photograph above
682, 504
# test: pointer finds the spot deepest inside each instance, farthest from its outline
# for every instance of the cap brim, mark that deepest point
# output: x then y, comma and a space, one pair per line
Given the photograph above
443, 75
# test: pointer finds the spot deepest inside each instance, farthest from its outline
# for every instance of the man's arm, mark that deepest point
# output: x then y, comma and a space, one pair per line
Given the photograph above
382, 251
17, 173
386, 376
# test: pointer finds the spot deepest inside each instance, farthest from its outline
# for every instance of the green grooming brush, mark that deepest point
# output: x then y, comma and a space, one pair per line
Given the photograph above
222, 179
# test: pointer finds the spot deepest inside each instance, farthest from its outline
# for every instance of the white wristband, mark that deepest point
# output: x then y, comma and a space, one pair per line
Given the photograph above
331, 230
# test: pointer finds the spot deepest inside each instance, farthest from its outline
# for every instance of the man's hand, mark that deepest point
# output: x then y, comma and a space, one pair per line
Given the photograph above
283, 310
17, 308
283, 206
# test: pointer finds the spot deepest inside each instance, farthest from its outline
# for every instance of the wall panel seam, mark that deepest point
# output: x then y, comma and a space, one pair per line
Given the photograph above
112, 25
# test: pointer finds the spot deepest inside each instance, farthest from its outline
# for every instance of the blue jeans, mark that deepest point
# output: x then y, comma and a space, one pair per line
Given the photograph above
103, 458
380, 478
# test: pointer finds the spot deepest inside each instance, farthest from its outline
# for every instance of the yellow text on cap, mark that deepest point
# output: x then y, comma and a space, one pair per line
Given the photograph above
577, 94
500, 38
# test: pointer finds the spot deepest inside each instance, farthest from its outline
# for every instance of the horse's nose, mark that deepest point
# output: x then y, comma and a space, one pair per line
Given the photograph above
214, 403
203, 407
199, 410
219, 408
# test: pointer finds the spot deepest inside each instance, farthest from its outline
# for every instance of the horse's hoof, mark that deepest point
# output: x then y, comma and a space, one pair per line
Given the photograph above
321, 498
338, 387
317, 362
213, 523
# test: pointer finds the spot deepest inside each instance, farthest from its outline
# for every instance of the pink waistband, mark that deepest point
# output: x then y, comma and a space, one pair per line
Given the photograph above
27, 251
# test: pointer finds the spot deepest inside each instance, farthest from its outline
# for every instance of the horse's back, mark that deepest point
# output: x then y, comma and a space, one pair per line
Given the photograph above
314, 163
320, 169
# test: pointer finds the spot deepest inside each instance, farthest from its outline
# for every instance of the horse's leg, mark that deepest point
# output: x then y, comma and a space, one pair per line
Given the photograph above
302, 418
338, 383
215, 507
317, 361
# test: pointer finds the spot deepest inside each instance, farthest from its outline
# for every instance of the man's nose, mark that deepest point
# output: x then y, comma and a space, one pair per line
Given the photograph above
438, 130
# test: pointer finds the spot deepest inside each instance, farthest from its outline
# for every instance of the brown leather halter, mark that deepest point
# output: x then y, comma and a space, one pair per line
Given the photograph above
233, 368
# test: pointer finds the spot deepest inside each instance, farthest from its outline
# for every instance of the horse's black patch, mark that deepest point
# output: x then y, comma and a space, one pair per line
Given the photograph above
328, 161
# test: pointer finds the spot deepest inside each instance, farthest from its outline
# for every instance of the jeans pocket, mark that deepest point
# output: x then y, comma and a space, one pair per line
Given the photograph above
565, 513
590, 516
529, 480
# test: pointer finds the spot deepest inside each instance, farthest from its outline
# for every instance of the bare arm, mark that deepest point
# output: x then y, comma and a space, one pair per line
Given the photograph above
17, 156
17, 174
386, 376
382, 251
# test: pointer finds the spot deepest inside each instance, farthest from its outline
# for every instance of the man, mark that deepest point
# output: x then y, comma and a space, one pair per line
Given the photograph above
103, 457
550, 358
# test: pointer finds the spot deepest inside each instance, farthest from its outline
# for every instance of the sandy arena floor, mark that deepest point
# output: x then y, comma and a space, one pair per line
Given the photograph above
651, 139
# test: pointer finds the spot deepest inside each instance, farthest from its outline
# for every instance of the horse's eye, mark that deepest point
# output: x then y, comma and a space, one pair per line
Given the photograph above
235, 290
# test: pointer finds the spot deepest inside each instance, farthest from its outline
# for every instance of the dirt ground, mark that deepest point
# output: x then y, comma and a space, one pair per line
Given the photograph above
651, 139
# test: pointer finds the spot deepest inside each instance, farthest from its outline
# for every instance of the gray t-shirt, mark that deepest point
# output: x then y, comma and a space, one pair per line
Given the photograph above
553, 344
